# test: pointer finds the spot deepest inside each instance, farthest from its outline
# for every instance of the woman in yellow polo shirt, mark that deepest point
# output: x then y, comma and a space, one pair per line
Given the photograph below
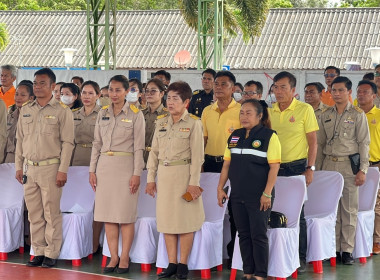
251, 162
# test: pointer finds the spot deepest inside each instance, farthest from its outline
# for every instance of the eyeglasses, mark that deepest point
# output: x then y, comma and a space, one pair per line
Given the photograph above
330, 75
151, 92
376, 74
249, 93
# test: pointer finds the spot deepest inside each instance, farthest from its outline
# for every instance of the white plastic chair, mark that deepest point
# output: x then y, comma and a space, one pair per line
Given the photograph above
11, 212
78, 199
366, 215
320, 213
207, 251
144, 246
283, 242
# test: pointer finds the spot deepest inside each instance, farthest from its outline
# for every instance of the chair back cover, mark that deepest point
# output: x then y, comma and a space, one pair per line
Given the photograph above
146, 205
12, 192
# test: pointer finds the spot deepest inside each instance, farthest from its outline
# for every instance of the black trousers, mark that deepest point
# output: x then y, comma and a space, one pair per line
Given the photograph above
211, 165
252, 224
292, 169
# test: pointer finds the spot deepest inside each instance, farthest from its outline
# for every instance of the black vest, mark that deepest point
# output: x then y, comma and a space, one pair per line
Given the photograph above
249, 166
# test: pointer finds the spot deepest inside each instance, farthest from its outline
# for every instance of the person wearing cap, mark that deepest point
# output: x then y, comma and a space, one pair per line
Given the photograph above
115, 169
45, 142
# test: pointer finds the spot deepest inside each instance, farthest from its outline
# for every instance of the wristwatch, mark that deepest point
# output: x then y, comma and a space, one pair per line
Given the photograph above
311, 167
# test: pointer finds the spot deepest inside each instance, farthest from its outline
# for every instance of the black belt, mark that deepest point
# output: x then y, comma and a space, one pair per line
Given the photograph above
293, 163
374, 162
215, 158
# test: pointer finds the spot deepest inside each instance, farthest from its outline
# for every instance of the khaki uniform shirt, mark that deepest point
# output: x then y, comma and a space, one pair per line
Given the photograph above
122, 133
321, 108
344, 135
3, 129
150, 125
176, 141
85, 125
376, 101
12, 119
45, 133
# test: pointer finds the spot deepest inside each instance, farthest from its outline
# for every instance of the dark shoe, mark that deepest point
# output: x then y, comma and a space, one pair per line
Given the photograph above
110, 269
168, 272
302, 268
121, 270
36, 261
182, 271
98, 251
338, 257
229, 263
347, 258
48, 262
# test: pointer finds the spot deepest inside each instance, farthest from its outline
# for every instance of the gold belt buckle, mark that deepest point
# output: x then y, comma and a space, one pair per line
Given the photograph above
166, 163
335, 159
109, 153
35, 163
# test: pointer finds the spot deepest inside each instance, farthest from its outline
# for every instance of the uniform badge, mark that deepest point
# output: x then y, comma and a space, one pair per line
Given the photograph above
373, 121
126, 120
292, 119
184, 129
76, 119
49, 117
256, 143
234, 139
26, 115
162, 129
349, 120
105, 118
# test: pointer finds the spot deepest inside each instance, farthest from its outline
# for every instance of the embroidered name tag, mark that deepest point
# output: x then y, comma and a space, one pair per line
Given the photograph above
26, 116
76, 119
105, 118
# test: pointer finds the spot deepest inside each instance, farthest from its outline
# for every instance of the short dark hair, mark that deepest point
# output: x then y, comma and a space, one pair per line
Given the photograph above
225, 73
78, 78
48, 72
95, 86
258, 85
29, 86
73, 88
317, 85
182, 88
341, 79
284, 74
105, 87
137, 82
210, 71
240, 86
337, 70
377, 66
164, 73
372, 84
122, 79
158, 83
369, 76
261, 108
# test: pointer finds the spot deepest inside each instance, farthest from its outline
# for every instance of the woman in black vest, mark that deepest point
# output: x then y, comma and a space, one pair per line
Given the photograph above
251, 162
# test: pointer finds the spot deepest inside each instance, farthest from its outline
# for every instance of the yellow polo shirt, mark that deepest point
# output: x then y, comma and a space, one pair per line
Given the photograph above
218, 126
291, 126
373, 118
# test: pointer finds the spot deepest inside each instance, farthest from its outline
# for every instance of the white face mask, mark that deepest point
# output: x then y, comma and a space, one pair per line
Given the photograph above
132, 96
237, 96
67, 100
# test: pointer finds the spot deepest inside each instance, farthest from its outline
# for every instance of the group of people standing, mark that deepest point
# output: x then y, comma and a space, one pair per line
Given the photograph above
177, 134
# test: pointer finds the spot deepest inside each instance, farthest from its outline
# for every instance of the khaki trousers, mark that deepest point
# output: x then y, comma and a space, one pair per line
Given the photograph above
346, 220
42, 197
376, 232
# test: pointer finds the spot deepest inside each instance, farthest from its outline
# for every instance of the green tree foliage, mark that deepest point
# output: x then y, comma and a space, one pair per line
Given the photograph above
4, 37
360, 3
280, 4
309, 3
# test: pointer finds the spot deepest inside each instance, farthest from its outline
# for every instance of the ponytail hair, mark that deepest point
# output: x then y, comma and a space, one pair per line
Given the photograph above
261, 108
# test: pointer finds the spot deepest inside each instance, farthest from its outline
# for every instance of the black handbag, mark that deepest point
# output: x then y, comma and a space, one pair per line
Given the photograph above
277, 220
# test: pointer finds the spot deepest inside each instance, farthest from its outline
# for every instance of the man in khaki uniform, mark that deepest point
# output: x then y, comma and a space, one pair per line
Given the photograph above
45, 141
344, 132
3, 129
313, 93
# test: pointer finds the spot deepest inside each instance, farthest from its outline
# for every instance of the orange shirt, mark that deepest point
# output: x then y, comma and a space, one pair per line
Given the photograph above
9, 96
327, 99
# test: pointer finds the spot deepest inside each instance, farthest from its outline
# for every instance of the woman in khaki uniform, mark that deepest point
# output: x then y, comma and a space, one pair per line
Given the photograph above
176, 157
24, 93
115, 169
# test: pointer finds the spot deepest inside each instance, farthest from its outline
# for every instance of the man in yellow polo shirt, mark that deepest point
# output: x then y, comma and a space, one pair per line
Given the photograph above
296, 126
219, 121
7, 90
366, 93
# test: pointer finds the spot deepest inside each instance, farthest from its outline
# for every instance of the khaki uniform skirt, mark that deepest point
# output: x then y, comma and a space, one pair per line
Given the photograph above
81, 156
113, 201
174, 214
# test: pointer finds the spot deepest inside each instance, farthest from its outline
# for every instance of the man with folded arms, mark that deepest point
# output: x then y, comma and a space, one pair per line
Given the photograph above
45, 141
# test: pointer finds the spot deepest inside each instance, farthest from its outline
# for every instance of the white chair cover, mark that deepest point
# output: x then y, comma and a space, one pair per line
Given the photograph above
207, 251
366, 214
320, 213
283, 242
11, 210
144, 246
78, 198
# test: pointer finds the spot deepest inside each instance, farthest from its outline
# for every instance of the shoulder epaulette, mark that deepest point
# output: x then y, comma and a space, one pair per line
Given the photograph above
194, 117
324, 109
358, 109
161, 116
195, 92
27, 102
165, 109
134, 108
76, 109
63, 105
105, 107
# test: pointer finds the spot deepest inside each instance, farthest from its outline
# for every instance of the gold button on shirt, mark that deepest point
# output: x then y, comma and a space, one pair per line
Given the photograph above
45, 133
